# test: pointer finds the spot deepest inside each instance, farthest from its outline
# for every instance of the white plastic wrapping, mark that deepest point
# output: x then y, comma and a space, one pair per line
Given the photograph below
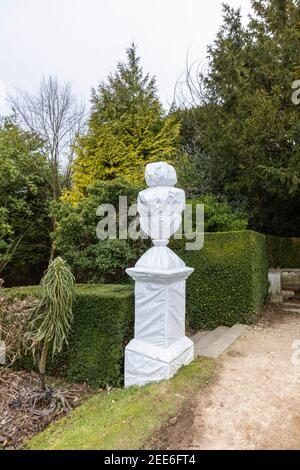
159, 346
145, 363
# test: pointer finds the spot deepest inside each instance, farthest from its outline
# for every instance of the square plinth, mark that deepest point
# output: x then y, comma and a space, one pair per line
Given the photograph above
159, 312
159, 347
146, 363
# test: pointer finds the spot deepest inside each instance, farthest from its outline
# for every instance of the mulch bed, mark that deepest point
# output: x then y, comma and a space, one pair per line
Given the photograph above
25, 411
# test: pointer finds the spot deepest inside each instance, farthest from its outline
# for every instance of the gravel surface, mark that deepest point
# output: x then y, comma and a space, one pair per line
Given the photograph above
254, 402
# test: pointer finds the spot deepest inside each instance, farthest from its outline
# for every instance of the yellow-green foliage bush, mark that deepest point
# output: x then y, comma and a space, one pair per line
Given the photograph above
127, 129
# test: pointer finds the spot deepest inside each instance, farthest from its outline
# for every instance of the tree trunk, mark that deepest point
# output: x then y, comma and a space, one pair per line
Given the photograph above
52, 252
42, 366
55, 195
53, 244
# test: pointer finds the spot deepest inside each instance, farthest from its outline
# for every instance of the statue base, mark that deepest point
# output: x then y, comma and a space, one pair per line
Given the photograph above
145, 363
159, 347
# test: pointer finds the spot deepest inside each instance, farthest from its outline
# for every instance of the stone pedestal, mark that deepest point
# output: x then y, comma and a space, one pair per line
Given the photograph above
159, 347
275, 289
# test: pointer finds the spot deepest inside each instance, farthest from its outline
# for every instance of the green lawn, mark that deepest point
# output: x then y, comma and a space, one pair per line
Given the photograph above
125, 419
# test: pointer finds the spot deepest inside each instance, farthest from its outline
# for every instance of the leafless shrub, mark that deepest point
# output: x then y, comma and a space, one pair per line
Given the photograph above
14, 319
190, 87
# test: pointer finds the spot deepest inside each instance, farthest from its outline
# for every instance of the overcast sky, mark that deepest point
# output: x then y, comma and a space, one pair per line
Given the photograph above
82, 40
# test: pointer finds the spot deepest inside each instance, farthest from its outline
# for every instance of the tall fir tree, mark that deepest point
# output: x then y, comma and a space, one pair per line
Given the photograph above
249, 126
127, 129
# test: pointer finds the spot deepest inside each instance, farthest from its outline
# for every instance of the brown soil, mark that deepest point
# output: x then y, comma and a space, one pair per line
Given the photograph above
254, 401
22, 416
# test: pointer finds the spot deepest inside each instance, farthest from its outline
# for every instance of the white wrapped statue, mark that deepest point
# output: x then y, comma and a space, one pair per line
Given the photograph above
159, 347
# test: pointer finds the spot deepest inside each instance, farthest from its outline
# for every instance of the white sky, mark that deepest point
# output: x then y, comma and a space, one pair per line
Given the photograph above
82, 40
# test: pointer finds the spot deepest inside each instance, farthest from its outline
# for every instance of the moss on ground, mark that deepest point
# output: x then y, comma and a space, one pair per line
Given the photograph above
124, 419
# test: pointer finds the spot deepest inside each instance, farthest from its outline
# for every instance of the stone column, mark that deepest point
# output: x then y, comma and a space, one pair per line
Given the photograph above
159, 347
275, 289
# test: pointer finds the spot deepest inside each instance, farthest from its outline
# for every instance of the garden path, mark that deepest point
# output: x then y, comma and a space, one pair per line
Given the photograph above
254, 401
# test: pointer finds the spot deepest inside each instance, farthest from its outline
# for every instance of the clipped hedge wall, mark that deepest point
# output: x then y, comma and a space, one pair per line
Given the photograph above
229, 286
103, 322
284, 252
230, 282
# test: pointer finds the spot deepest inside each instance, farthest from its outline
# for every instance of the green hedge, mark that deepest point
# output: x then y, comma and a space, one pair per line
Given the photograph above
230, 282
229, 286
284, 252
103, 322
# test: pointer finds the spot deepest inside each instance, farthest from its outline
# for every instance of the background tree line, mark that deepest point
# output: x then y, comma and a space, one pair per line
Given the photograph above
239, 122
232, 133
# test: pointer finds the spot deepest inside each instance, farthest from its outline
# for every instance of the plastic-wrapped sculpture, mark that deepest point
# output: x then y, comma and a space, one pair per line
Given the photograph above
159, 347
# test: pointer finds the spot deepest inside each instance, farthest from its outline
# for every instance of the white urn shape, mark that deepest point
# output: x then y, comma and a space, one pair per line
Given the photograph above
159, 347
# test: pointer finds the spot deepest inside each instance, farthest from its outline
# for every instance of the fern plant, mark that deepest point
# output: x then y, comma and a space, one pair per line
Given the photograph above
52, 317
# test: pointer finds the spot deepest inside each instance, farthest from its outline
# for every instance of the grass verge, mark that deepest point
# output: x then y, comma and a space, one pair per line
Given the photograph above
124, 419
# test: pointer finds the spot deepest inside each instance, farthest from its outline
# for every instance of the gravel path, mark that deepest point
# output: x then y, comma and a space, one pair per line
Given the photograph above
254, 403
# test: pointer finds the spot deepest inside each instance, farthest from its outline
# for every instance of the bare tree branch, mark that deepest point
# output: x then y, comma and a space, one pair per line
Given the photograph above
55, 115
57, 118
190, 87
